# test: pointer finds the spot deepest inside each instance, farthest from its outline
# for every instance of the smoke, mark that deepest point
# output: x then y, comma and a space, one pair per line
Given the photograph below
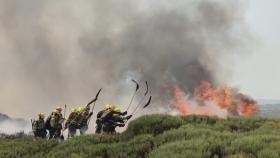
62, 52
11, 126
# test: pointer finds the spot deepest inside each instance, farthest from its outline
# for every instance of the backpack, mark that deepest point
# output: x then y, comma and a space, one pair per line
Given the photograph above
35, 125
48, 123
106, 115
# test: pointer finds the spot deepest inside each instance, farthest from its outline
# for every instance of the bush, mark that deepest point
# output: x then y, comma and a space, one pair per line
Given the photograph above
152, 124
189, 149
25, 148
162, 136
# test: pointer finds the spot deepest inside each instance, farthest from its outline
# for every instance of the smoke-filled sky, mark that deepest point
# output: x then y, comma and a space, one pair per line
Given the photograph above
62, 52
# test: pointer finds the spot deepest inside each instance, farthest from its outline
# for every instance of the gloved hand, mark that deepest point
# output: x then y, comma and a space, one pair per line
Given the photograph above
90, 114
121, 125
124, 113
128, 117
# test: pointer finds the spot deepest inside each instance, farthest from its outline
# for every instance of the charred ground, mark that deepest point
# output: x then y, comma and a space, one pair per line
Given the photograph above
163, 136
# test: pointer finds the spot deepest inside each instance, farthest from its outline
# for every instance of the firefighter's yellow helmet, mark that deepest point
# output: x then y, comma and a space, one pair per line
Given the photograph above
109, 106
73, 110
41, 115
58, 108
117, 110
81, 109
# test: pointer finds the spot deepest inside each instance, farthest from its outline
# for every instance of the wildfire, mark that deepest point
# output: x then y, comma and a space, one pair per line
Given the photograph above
181, 105
214, 101
246, 106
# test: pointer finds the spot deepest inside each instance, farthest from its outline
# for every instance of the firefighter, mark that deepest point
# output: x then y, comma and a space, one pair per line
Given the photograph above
104, 117
38, 126
54, 123
72, 122
100, 117
117, 120
85, 115
78, 120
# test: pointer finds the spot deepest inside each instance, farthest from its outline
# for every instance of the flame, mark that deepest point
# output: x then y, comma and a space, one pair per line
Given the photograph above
182, 106
222, 96
215, 101
247, 107
186, 107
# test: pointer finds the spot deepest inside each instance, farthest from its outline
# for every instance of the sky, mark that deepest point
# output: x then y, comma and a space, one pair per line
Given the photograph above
259, 73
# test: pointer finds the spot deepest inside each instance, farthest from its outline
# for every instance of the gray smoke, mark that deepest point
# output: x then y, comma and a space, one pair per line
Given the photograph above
11, 126
61, 52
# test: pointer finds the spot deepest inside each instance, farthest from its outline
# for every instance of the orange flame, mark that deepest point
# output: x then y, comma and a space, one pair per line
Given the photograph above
181, 105
185, 107
247, 107
223, 97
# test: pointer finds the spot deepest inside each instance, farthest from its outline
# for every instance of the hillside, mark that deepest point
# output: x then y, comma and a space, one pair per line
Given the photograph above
268, 110
163, 136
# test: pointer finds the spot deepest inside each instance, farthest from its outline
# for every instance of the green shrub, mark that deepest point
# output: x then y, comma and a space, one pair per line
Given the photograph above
268, 153
200, 119
241, 155
184, 133
197, 148
25, 148
163, 136
152, 124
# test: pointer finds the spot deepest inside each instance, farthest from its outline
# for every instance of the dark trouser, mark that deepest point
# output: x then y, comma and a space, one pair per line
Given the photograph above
83, 129
98, 128
108, 128
55, 133
72, 130
40, 133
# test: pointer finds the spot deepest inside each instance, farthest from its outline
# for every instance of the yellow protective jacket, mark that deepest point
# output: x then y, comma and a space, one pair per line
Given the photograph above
38, 125
73, 119
56, 120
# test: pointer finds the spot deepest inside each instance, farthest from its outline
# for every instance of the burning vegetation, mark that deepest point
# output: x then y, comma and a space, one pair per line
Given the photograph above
222, 101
